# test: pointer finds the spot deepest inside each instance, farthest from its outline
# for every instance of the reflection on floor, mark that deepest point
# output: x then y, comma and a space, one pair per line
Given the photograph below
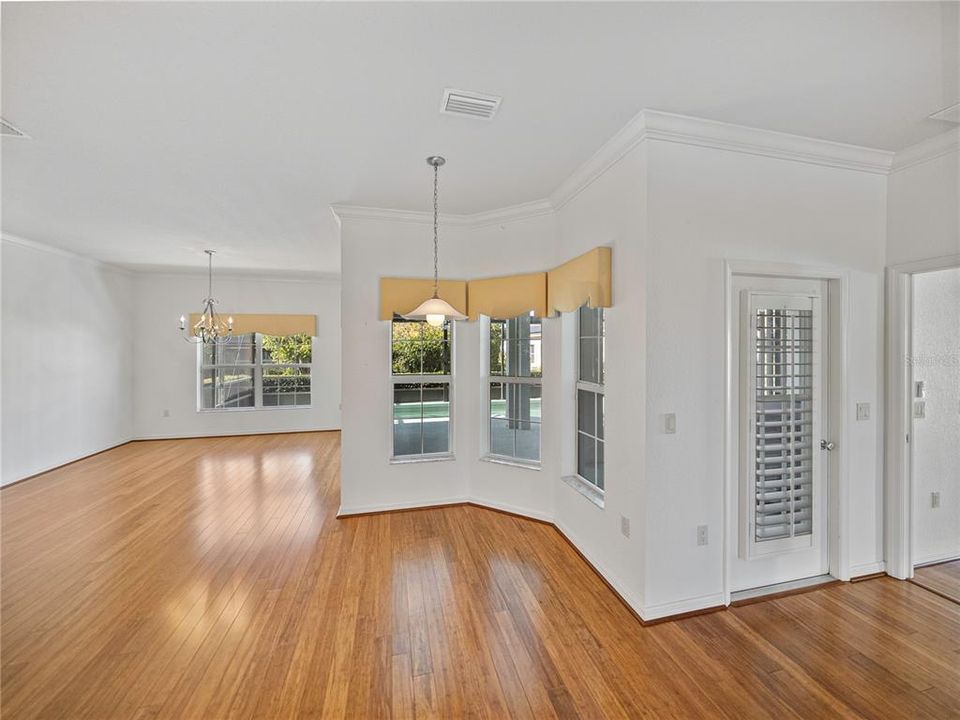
211, 579
942, 578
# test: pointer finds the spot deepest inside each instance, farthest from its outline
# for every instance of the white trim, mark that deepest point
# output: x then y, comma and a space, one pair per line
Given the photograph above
858, 571
234, 433
926, 150
655, 125
652, 125
511, 461
235, 274
701, 602
936, 558
513, 509
838, 521
586, 488
898, 480
346, 511
635, 602
71, 459
510, 213
60, 252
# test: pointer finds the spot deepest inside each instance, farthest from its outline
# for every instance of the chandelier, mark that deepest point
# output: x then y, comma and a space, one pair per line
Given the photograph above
210, 329
434, 310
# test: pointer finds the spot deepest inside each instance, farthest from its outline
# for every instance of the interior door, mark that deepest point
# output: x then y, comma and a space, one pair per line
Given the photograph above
780, 524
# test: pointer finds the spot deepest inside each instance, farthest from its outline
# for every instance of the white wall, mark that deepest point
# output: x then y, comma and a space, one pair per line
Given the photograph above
923, 208
402, 247
673, 212
936, 450
612, 211
705, 206
67, 358
165, 366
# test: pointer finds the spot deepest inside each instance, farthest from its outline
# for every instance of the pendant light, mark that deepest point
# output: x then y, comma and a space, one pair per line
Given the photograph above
210, 329
435, 310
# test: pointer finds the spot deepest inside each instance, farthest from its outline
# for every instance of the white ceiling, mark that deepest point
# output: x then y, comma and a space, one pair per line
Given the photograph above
160, 129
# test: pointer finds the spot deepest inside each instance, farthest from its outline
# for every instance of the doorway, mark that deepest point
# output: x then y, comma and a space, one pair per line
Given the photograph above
934, 447
781, 450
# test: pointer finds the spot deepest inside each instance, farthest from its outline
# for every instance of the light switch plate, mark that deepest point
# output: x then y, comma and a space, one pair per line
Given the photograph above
625, 526
863, 411
919, 409
935, 499
701, 534
919, 389
670, 423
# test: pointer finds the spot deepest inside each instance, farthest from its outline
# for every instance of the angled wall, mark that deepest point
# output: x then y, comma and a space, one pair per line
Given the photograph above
67, 357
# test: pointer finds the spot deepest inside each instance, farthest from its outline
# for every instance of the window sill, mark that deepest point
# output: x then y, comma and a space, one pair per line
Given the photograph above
590, 491
411, 459
254, 409
513, 462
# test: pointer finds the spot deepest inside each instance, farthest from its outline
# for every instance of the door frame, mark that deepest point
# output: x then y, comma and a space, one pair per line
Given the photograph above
835, 375
898, 462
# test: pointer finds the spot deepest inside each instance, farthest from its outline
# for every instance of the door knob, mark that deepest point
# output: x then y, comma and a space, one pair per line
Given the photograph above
824, 445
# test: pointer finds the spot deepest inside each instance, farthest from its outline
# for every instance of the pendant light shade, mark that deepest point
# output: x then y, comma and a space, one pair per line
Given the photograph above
435, 310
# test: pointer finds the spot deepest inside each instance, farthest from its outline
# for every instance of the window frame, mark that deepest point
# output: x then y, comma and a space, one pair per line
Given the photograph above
596, 389
488, 379
447, 379
257, 366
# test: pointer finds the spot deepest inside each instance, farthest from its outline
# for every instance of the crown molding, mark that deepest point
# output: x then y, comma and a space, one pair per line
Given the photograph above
511, 213
686, 130
926, 150
235, 274
60, 252
664, 127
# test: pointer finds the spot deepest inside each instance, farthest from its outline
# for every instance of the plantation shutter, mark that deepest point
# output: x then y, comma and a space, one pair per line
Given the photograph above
783, 364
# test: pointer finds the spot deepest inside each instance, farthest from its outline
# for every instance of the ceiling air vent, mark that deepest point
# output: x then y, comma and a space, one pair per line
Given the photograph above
469, 104
8, 130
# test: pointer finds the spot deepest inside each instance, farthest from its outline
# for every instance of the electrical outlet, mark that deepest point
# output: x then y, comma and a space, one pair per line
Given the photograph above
919, 409
935, 499
863, 411
670, 423
625, 526
701, 534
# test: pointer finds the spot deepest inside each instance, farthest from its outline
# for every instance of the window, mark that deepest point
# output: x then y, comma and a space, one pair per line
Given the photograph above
421, 373
514, 386
590, 397
256, 371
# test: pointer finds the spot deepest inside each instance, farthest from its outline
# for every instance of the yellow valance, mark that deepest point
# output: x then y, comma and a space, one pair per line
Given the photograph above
507, 296
267, 324
401, 295
585, 279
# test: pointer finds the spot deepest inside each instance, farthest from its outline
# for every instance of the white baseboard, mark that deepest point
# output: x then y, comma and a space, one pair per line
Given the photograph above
514, 509
239, 433
61, 463
937, 558
677, 607
867, 569
348, 510
615, 582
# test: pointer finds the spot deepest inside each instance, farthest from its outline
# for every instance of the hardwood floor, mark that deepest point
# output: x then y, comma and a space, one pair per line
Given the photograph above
211, 579
942, 578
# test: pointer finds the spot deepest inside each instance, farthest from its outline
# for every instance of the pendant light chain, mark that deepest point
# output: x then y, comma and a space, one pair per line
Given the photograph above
436, 233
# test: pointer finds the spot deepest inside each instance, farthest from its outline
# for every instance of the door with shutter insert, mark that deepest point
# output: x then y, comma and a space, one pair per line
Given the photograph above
781, 504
